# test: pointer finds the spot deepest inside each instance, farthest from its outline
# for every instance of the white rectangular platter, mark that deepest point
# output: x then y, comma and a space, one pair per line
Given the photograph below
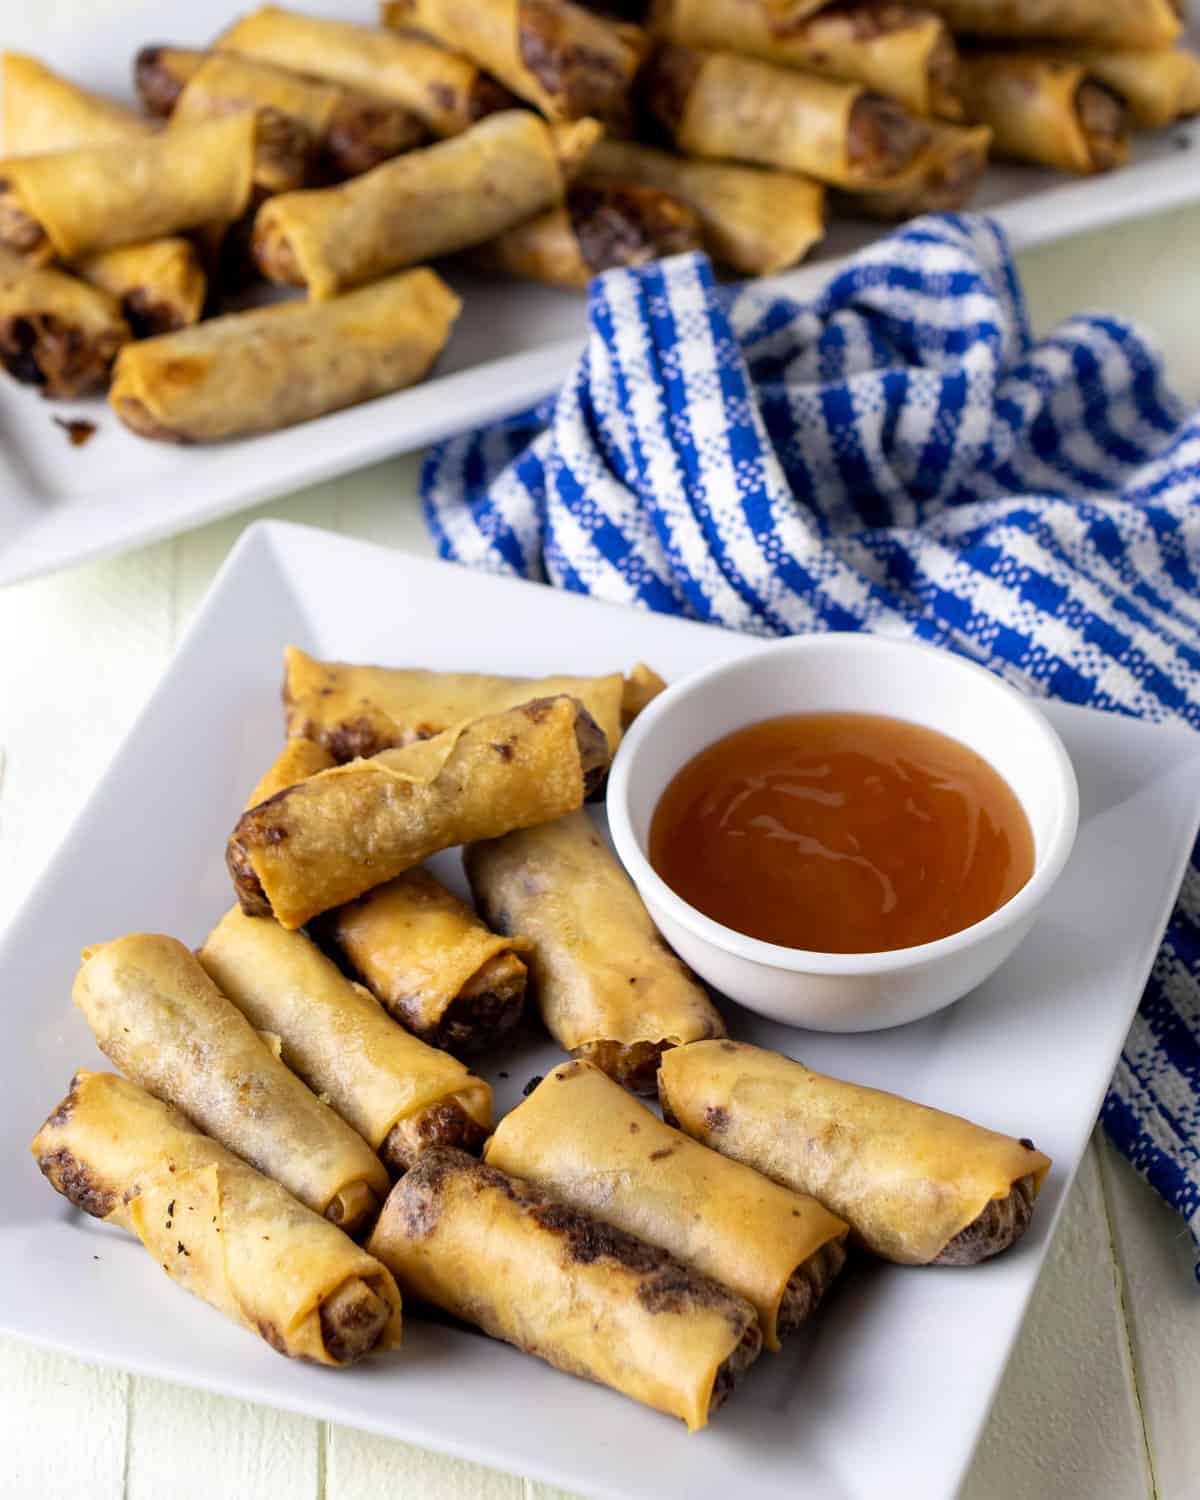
513, 345
886, 1390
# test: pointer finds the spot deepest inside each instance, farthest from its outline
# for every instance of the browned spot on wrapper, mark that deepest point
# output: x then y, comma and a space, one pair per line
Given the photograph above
74, 1180
716, 1118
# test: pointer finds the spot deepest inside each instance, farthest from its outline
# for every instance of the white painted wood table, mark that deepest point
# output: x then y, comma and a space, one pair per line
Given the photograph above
1102, 1398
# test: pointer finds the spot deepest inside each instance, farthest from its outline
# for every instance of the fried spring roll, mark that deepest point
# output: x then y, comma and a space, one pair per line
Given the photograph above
340, 833
401, 1096
608, 987
1047, 111
216, 1226
1124, 24
589, 1143
448, 92
423, 204
597, 229
716, 104
357, 710
298, 760
160, 284
158, 1016
72, 202
431, 962
274, 366
916, 1186
754, 220
585, 1297
898, 50
1155, 87
55, 332
943, 177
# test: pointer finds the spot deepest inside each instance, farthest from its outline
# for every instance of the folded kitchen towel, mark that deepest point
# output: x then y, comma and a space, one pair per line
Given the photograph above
898, 455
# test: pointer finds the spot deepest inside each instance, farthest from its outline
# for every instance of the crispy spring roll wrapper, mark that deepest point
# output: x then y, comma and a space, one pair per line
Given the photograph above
158, 1016
297, 760
580, 1294
41, 111
216, 1226
898, 50
431, 962
754, 220
448, 92
596, 229
1155, 87
160, 284
89, 198
359, 710
1044, 110
941, 179
426, 203
717, 104
271, 367
401, 1096
56, 332
340, 833
580, 1136
608, 987
1122, 24
916, 1186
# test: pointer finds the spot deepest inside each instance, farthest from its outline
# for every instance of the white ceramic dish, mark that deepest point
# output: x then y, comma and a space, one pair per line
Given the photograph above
886, 1391
846, 673
514, 344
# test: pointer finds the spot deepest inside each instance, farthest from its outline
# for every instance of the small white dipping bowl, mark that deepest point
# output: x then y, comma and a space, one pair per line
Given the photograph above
846, 673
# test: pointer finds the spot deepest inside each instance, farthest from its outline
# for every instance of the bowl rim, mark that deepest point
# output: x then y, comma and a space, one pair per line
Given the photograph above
655, 890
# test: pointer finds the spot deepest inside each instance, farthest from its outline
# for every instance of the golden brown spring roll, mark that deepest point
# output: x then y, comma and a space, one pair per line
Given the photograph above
401, 1096
716, 104
426, 203
274, 366
608, 987
158, 1016
1043, 110
562, 59
898, 50
916, 1186
216, 1226
754, 220
56, 333
580, 1136
297, 760
70, 203
448, 92
431, 962
358, 710
597, 229
319, 844
1156, 88
585, 1297
160, 284
943, 177
1124, 24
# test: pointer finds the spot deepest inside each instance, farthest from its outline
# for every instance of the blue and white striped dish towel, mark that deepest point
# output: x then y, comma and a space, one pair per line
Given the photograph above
898, 455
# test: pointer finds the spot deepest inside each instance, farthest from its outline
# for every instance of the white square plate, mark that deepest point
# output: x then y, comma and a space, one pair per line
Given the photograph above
514, 343
892, 1381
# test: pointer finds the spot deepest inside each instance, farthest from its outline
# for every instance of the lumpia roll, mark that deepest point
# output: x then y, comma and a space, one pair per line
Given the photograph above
448, 92
55, 332
1155, 87
297, 760
608, 987
401, 1096
340, 833
73, 202
216, 1226
359, 710
160, 284
895, 49
271, 367
580, 1136
1123, 24
559, 57
942, 178
158, 1016
585, 1297
42, 111
431, 962
596, 229
916, 1186
1042, 110
716, 104
423, 204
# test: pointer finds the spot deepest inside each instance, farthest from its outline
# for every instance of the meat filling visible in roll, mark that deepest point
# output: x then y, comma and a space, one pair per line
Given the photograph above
1045, 110
56, 333
942, 178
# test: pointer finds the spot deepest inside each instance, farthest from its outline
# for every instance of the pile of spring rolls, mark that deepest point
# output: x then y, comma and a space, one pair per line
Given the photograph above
538, 138
295, 1134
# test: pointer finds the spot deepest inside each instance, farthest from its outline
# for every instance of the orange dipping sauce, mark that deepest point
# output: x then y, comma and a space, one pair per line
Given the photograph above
841, 833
